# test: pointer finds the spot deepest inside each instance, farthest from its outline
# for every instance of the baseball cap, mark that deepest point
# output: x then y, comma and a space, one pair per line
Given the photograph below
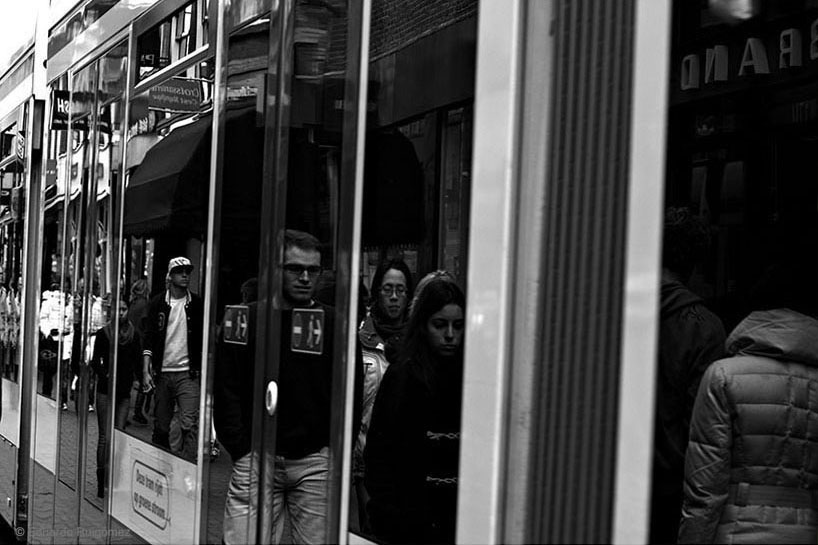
178, 262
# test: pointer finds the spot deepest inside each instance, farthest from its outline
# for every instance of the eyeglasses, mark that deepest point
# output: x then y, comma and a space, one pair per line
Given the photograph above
389, 289
298, 270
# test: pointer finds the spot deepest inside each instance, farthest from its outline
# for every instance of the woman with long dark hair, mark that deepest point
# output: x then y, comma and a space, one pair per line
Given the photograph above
129, 361
413, 443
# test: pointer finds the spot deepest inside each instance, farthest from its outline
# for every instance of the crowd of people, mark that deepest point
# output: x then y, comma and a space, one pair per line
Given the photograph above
735, 456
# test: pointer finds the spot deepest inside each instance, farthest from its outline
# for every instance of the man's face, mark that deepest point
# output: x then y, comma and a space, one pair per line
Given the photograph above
392, 295
180, 277
301, 270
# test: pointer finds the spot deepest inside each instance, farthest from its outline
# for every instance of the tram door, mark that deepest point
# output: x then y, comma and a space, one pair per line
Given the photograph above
300, 368
283, 243
81, 285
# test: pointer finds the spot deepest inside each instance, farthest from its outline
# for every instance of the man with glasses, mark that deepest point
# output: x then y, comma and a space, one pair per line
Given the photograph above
301, 475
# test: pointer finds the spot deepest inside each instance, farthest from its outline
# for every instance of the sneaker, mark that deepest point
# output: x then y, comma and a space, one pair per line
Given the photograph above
90, 408
64, 406
214, 450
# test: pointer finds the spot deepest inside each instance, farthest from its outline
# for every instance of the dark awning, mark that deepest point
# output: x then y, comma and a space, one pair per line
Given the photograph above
168, 190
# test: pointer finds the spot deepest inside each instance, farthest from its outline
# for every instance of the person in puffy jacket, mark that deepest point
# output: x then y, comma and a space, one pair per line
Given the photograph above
380, 336
751, 468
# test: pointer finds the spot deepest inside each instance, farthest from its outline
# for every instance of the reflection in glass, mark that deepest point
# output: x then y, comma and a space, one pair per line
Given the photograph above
77, 288
165, 220
417, 182
741, 165
172, 39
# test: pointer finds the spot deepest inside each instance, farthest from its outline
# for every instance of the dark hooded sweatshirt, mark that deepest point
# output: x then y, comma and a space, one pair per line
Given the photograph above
691, 337
751, 471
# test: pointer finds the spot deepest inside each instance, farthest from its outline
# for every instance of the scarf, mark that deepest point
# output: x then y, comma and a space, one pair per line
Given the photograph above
390, 334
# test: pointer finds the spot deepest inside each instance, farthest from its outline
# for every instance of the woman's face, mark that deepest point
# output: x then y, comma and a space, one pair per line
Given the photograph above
444, 330
123, 310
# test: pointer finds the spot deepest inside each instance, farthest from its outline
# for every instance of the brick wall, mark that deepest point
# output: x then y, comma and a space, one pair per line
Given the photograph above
398, 23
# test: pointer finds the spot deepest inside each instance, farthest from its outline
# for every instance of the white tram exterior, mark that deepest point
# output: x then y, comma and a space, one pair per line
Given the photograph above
519, 145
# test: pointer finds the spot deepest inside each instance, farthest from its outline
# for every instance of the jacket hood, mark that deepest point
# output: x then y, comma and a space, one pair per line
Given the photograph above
676, 296
781, 334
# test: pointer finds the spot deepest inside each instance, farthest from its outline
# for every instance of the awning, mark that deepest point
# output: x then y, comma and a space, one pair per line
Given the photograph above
168, 190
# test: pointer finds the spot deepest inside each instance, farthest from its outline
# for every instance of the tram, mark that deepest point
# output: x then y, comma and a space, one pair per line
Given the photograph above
527, 148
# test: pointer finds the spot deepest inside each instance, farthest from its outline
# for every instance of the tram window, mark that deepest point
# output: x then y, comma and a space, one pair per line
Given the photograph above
172, 39
11, 242
418, 154
165, 222
739, 262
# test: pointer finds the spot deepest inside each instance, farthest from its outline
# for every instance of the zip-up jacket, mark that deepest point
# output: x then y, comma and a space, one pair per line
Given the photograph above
156, 328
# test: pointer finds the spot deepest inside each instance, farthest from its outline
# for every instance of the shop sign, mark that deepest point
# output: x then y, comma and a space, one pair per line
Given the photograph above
20, 146
60, 109
307, 333
236, 324
753, 56
180, 95
17, 197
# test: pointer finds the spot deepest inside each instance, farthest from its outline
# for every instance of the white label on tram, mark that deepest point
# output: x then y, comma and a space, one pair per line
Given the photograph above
150, 494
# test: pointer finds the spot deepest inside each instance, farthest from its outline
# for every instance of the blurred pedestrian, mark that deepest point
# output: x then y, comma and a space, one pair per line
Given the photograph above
751, 470
691, 337
129, 354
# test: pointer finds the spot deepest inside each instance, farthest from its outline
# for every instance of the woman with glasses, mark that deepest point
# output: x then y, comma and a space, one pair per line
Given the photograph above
414, 437
379, 336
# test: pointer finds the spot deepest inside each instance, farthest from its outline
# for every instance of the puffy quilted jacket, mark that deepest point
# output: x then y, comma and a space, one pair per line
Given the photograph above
751, 469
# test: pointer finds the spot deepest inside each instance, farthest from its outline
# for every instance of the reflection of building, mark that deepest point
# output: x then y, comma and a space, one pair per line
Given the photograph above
744, 147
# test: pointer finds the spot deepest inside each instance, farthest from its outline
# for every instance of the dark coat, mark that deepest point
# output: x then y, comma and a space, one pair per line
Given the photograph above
751, 470
691, 337
129, 358
411, 457
305, 392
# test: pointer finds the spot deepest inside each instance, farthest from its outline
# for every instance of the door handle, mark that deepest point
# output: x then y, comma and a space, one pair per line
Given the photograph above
271, 397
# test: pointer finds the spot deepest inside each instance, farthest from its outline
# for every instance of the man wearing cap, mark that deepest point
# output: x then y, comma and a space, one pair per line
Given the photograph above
172, 358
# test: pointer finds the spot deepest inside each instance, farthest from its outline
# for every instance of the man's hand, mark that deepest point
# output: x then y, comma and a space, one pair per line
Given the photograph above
147, 382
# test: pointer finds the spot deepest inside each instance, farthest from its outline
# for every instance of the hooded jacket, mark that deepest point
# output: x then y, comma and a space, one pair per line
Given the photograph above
751, 469
691, 337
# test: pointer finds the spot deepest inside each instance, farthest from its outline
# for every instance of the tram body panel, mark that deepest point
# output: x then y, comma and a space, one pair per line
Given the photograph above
153, 493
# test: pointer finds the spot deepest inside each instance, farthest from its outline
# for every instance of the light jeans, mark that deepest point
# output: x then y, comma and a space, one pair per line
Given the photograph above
300, 497
240, 502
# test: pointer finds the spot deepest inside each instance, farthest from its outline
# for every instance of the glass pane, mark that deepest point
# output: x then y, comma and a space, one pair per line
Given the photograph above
238, 284
11, 254
166, 217
76, 282
415, 220
108, 134
739, 265
172, 39
167, 177
52, 316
